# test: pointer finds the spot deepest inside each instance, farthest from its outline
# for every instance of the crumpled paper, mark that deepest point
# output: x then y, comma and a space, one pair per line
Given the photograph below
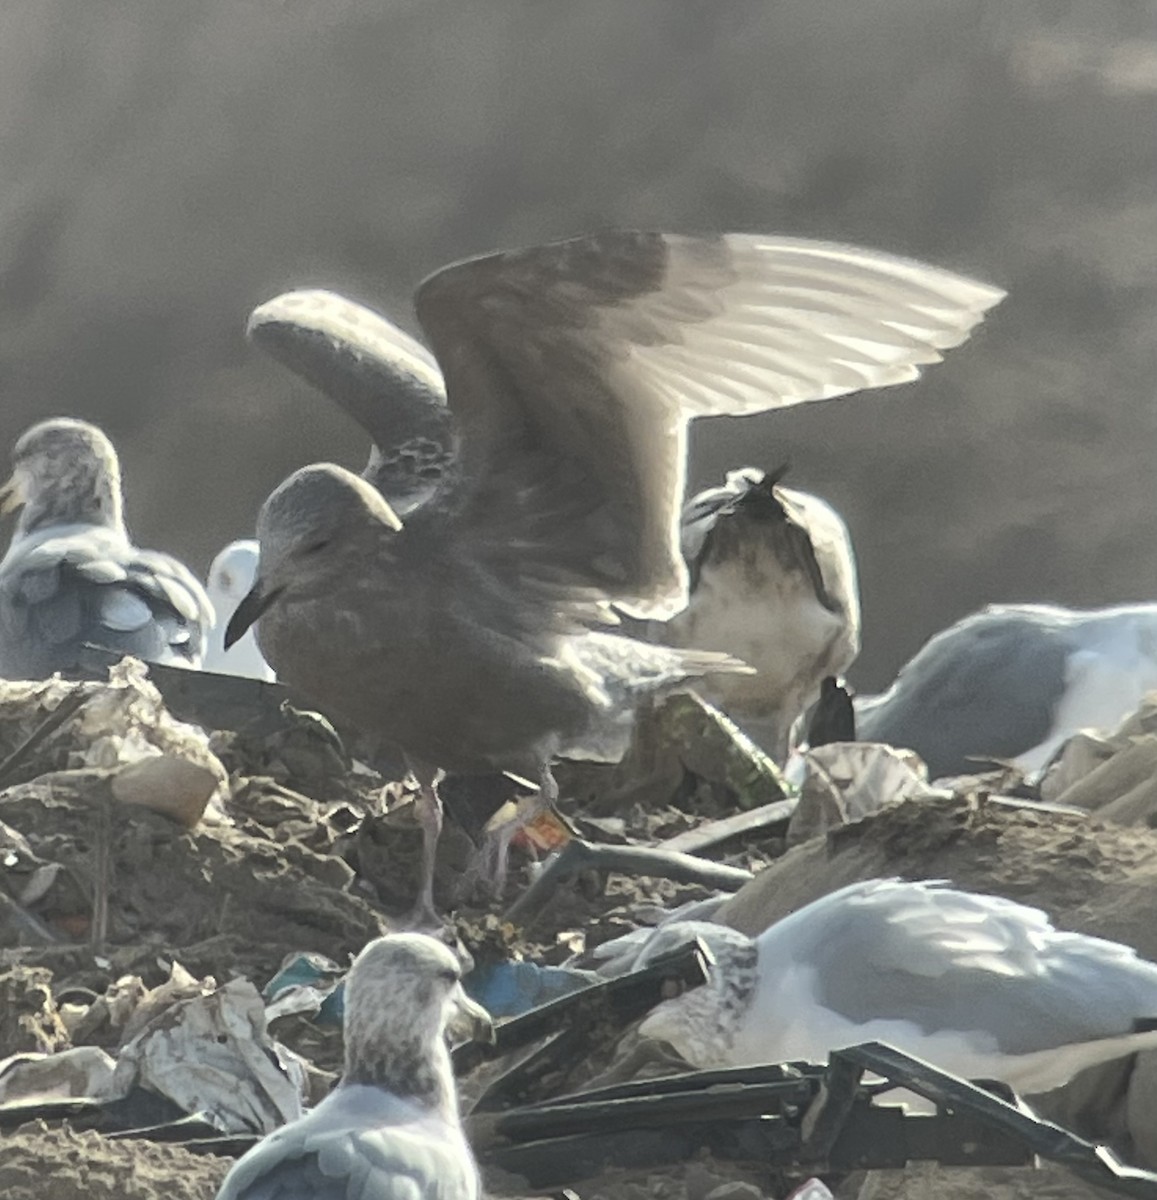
207, 1049
846, 781
1114, 774
123, 728
65, 1075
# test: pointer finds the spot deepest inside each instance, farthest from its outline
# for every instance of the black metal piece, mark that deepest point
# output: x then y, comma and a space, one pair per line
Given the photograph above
556, 1162
139, 1109
833, 718
827, 1116
206, 698
572, 1021
824, 1120
1096, 1164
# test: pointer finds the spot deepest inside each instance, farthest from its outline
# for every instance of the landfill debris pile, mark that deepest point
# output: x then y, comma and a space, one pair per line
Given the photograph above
179, 903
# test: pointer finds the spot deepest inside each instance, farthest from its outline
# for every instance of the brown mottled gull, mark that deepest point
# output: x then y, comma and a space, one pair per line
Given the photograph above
72, 576
572, 370
390, 1130
385, 380
773, 582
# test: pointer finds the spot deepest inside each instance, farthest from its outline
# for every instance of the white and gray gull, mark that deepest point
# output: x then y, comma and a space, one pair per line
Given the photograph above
464, 634
230, 577
977, 985
71, 575
773, 582
390, 1130
1013, 682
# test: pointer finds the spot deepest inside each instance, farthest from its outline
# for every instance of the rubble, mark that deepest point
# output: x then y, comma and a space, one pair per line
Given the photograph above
155, 877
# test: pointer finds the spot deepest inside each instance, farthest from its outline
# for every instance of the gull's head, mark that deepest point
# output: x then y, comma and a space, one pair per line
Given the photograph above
403, 996
702, 1023
64, 471
233, 571
319, 523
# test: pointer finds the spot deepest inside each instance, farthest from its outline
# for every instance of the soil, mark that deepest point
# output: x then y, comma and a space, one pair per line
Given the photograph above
311, 857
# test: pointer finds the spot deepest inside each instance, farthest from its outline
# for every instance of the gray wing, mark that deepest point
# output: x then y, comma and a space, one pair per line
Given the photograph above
620, 673
65, 592
989, 686
946, 959
383, 378
319, 1158
572, 371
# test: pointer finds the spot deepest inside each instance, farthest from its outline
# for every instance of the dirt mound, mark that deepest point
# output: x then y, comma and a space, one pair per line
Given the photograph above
303, 850
40, 1163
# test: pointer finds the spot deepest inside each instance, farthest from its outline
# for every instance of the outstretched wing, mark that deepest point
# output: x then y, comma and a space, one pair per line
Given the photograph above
384, 379
95, 588
572, 371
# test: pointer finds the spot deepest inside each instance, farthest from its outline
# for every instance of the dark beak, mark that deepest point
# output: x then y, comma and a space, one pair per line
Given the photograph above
247, 612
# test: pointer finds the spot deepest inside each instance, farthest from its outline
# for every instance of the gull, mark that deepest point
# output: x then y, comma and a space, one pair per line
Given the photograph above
71, 575
1014, 682
387, 381
228, 582
773, 583
391, 1127
468, 632
977, 985
772, 570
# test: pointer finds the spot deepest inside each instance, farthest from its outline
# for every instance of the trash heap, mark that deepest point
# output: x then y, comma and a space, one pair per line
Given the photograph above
187, 862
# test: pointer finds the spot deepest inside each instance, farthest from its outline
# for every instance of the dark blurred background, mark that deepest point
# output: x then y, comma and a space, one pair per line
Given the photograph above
166, 166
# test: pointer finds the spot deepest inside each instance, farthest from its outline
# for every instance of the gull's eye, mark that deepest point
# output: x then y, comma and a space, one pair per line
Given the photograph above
450, 976
315, 547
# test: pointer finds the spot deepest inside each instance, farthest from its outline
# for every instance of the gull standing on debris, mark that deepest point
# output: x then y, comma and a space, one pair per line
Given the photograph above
1013, 683
229, 580
976, 985
773, 582
71, 576
391, 1128
572, 370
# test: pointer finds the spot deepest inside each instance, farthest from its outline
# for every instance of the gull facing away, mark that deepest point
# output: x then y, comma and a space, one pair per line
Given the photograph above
1014, 682
390, 1130
228, 582
463, 633
71, 575
976, 985
773, 582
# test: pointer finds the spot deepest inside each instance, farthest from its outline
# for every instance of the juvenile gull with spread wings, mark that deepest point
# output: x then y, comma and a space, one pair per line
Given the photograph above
463, 634
71, 576
977, 985
390, 1130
